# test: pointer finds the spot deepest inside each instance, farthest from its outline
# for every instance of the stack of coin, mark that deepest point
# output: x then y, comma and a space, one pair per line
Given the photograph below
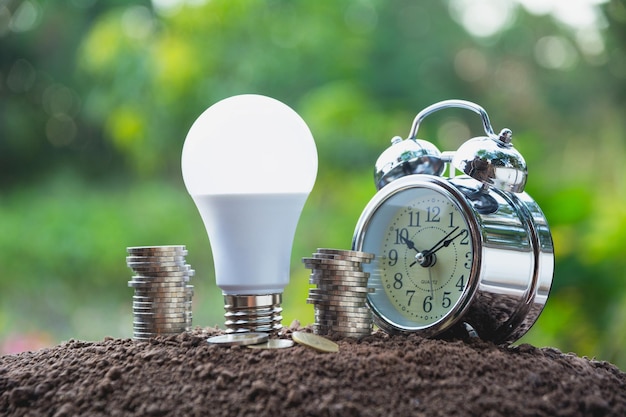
339, 301
162, 300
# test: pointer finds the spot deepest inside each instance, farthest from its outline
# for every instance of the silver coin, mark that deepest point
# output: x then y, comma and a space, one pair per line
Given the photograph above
315, 263
358, 262
161, 274
147, 312
151, 315
340, 308
182, 280
173, 309
273, 344
159, 332
156, 287
141, 297
345, 288
179, 291
150, 327
324, 277
152, 268
141, 301
161, 297
333, 273
354, 288
161, 309
338, 294
342, 332
331, 303
155, 249
152, 335
132, 258
186, 271
159, 264
348, 253
147, 315
160, 300
323, 298
327, 283
157, 267
331, 267
341, 329
159, 327
241, 339
162, 253
328, 320
330, 261
159, 319
345, 325
329, 316
341, 315
158, 284
163, 300
351, 335
323, 301
322, 295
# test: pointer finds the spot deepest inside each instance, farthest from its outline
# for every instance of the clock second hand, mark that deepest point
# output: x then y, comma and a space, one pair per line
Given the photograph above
430, 279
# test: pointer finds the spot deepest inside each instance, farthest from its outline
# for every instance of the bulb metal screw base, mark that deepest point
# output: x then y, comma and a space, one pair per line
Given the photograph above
253, 313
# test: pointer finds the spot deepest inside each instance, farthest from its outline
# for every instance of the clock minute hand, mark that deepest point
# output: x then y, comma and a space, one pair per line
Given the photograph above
442, 243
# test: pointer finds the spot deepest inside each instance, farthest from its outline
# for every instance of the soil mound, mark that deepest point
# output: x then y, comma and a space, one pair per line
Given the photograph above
379, 375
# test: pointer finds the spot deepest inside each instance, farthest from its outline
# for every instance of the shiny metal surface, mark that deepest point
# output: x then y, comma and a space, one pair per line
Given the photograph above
253, 313
490, 159
512, 267
517, 266
406, 157
493, 162
446, 104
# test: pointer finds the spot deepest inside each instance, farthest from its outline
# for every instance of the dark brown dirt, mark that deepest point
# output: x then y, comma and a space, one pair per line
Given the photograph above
380, 375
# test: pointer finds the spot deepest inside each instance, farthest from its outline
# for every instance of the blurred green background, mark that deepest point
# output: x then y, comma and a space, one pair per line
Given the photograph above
96, 98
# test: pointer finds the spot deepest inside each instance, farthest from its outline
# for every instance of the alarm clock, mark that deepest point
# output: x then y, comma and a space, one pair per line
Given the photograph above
467, 254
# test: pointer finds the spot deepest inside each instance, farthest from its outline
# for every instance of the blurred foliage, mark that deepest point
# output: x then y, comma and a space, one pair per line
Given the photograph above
96, 98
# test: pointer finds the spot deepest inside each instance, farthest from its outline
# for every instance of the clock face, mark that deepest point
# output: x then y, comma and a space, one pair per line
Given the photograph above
425, 256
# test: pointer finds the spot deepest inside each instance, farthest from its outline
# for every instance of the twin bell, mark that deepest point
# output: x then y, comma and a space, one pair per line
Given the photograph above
491, 160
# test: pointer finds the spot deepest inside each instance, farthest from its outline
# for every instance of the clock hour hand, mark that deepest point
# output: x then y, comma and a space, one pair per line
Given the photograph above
409, 243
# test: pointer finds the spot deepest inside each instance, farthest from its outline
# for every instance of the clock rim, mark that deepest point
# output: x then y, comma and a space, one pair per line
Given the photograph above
449, 191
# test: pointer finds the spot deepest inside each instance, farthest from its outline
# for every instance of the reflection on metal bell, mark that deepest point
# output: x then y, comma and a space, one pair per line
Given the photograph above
406, 157
493, 161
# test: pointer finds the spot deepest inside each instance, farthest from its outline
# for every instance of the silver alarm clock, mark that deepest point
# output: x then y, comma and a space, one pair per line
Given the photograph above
457, 254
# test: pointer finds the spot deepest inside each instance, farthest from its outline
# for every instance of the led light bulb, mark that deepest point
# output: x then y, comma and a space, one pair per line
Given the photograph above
249, 162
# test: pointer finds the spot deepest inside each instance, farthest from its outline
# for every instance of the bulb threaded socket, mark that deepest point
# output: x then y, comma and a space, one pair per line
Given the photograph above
253, 313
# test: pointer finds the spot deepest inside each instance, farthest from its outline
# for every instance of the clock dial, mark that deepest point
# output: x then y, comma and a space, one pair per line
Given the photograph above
425, 256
